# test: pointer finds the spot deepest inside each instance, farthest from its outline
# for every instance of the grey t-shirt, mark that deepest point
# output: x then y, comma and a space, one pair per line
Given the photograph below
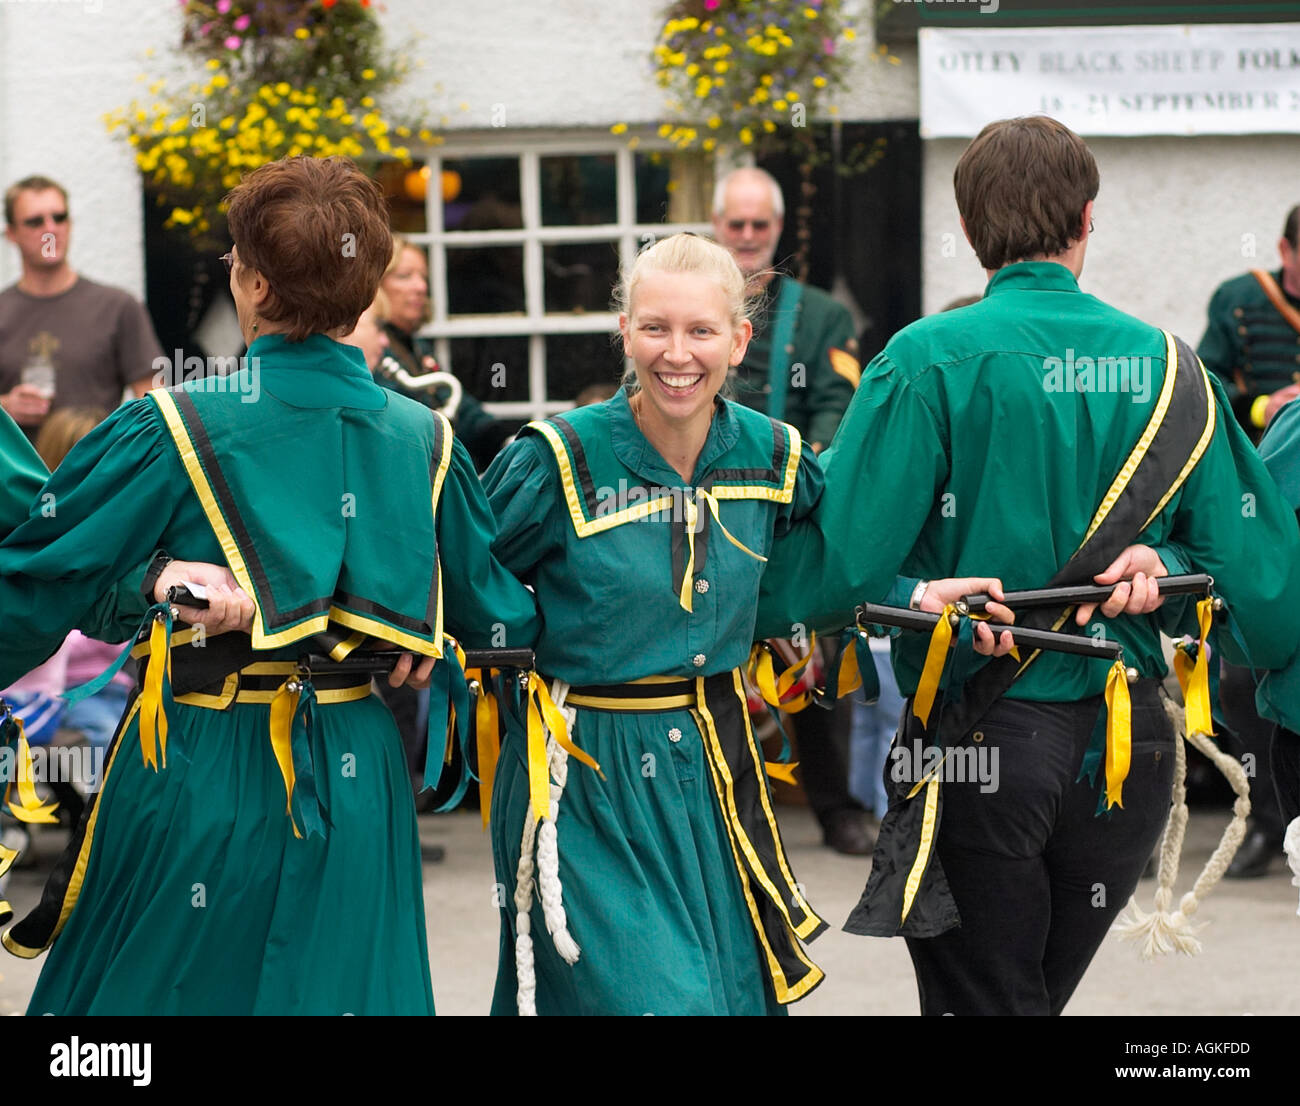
98, 340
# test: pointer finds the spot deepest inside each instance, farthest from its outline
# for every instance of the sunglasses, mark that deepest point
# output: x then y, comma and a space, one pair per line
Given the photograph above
34, 221
228, 260
738, 225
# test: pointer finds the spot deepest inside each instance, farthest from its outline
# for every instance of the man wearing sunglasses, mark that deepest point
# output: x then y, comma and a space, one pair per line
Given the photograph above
64, 340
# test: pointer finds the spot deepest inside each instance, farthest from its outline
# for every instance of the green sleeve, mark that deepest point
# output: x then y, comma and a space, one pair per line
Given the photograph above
101, 516
1218, 347
1232, 522
484, 605
829, 392
523, 491
482, 434
24, 474
1280, 452
850, 549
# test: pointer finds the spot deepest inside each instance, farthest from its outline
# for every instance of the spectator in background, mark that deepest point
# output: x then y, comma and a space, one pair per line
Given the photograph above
64, 339
406, 286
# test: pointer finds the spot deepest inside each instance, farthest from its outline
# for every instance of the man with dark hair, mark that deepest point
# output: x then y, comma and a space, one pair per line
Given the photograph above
801, 367
1042, 437
1252, 342
64, 340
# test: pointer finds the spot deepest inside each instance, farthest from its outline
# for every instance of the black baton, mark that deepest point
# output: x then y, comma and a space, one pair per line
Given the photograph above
1050, 640
1194, 584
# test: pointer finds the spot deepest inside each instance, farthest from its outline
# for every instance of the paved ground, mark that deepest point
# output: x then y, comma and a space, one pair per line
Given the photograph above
1250, 964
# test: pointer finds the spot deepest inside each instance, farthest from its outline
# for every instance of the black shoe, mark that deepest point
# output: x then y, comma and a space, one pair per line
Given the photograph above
850, 833
1256, 853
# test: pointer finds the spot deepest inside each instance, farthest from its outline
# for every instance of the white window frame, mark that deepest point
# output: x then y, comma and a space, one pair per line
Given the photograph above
534, 322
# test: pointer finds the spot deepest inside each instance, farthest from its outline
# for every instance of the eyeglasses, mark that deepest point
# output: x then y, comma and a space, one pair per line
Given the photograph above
228, 260
736, 226
34, 221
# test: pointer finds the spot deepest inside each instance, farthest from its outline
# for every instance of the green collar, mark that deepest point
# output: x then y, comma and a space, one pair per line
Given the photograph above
634, 450
1039, 276
316, 372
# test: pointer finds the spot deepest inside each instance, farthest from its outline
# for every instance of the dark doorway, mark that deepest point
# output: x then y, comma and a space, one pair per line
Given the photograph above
866, 224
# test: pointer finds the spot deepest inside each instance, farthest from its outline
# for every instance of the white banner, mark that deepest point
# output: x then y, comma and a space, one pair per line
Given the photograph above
1239, 78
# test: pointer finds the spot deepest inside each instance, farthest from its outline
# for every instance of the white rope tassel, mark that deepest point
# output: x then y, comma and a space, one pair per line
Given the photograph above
547, 867
1162, 932
1291, 846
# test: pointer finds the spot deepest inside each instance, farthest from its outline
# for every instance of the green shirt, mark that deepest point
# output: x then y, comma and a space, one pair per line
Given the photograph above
24, 473
963, 455
1279, 693
817, 395
1247, 343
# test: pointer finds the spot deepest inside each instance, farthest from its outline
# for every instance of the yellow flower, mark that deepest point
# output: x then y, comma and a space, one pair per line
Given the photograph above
746, 136
618, 128
665, 129
282, 88
709, 143
780, 105
367, 101
692, 69
721, 66
850, 34
714, 122
769, 126
810, 13
819, 82
301, 33
219, 80
212, 63
367, 74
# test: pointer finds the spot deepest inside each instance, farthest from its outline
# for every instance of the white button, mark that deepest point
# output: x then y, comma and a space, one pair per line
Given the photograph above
701, 586
698, 660
674, 735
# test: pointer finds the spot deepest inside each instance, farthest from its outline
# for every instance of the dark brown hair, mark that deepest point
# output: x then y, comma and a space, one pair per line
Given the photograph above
1291, 228
1021, 188
30, 184
317, 229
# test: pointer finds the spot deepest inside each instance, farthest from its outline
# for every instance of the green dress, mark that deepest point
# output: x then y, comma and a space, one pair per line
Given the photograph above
666, 912
1279, 691
23, 474
187, 890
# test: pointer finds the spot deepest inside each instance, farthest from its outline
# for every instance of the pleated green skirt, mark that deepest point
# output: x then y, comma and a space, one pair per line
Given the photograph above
650, 885
191, 894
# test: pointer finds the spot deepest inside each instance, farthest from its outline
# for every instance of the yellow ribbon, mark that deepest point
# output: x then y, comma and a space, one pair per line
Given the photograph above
935, 658
283, 707
544, 715
779, 771
774, 689
850, 676
29, 807
692, 521
153, 719
1194, 676
7, 857
1119, 733
487, 735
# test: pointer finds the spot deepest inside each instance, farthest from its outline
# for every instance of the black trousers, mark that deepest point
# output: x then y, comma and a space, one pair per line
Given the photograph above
1251, 735
1038, 876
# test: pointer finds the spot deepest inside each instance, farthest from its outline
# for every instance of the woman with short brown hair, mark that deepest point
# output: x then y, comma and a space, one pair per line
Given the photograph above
254, 847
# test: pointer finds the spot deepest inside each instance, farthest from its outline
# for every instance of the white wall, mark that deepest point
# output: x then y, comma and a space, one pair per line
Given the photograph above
1171, 215
1174, 218
62, 66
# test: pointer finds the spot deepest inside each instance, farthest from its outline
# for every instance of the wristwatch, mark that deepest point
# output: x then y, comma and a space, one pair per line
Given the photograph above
918, 593
160, 561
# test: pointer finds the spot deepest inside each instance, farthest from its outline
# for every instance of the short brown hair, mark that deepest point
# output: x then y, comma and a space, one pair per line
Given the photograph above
1021, 188
30, 184
317, 229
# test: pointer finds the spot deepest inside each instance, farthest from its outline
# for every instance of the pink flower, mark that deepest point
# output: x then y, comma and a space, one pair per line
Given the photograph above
223, 6
205, 28
241, 24
233, 42
828, 46
711, 5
